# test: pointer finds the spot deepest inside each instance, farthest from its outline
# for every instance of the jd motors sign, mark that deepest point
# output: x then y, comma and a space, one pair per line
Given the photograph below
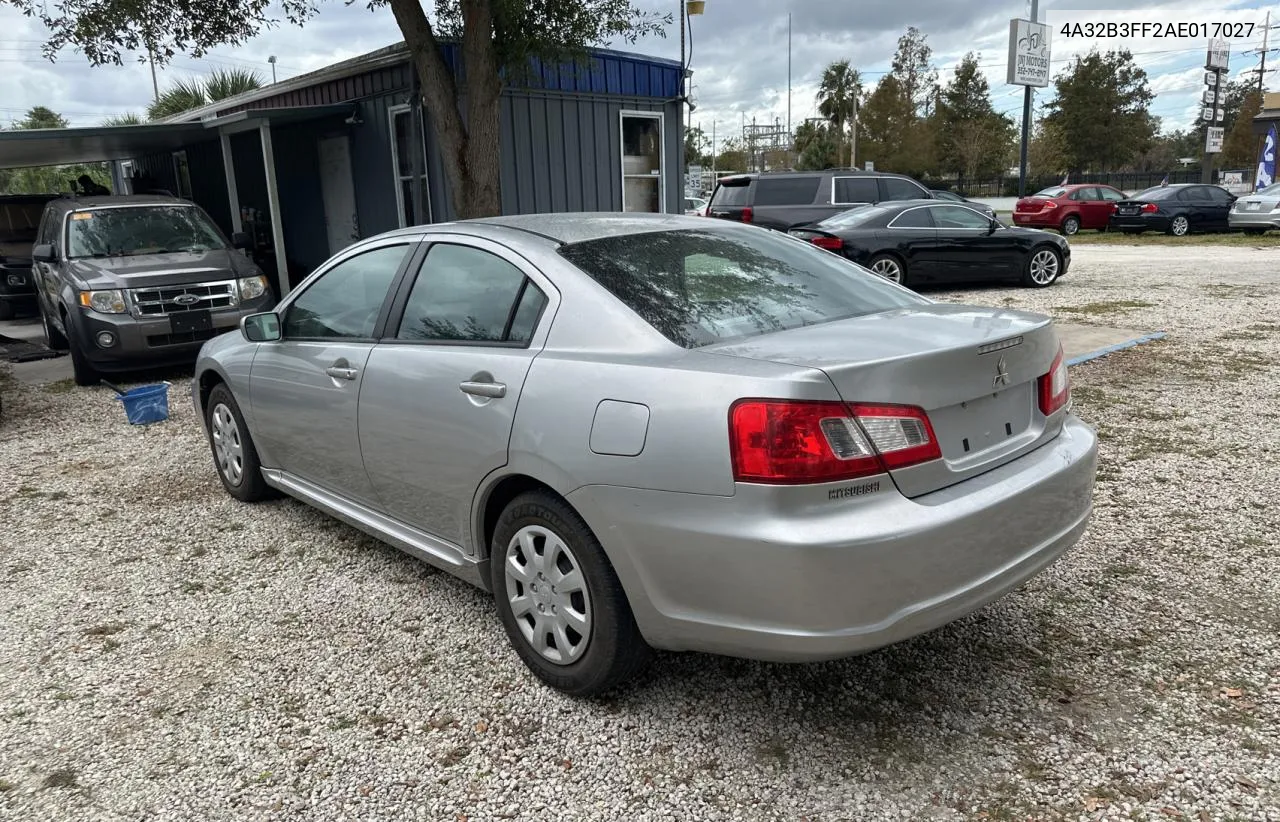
1028, 53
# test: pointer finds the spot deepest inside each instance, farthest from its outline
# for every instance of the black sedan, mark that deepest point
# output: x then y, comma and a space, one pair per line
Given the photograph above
915, 241
1176, 209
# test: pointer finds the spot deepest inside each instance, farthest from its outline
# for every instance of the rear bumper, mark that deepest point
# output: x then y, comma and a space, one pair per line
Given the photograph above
1049, 219
737, 576
1148, 222
1260, 219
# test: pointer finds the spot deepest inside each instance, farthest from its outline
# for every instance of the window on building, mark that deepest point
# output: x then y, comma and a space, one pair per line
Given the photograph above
642, 162
402, 140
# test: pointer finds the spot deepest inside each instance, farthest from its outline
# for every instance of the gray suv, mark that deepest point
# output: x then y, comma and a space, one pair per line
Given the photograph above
131, 282
783, 200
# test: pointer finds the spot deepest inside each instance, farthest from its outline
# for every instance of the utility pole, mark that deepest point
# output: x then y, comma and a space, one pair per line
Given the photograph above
788, 72
155, 86
1026, 119
713, 153
1262, 62
272, 61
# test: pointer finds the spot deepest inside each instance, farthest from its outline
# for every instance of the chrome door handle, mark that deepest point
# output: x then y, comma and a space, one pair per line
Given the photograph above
484, 389
339, 373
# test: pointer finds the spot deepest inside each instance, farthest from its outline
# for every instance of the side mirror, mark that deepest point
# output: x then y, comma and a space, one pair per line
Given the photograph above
264, 327
43, 253
241, 240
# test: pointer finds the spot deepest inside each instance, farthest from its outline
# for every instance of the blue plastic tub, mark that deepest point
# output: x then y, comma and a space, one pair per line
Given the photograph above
146, 404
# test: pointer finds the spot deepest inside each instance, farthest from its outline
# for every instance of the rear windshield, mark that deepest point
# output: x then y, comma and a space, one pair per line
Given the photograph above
1157, 193
1050, 193
703, 286
854, 217
731, 194
112, 232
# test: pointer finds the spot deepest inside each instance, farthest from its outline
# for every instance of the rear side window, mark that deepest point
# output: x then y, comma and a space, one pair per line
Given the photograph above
468, 295
703, 286
913, 218
786, 190
1218, 195
855, 190
896, 188
731, 194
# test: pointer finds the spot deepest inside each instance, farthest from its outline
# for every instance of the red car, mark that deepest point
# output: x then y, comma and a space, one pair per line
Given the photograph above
1068, 208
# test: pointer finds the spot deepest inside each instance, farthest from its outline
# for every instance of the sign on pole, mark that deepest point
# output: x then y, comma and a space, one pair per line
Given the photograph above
1219, 54
1213, 139
1028, 53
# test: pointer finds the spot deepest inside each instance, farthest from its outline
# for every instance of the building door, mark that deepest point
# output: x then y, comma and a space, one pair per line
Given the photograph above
643, 186
339, 192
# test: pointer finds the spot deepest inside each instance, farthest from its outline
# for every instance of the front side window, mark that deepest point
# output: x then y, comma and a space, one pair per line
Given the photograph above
465, 294
897, 188
855, 190
703, 286
344, 301
133, 230
958, 217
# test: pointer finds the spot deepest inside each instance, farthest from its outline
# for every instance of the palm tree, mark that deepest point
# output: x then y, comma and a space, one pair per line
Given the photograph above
186, 95
838, 94
126, 119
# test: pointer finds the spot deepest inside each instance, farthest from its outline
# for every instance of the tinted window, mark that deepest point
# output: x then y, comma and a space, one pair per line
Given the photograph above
728, 194
1218, 195
345, 300
913, 218
958, 217
1187, 194
124, 232
465, 294
899, 189
948, 195
703, 286
786, 190
855, 190
855, 217
1111, 195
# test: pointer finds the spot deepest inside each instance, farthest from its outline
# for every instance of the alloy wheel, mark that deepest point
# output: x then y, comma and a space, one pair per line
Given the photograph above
548, 594
1180, 226
1044, 267
1070, 226
228, 448
888, 268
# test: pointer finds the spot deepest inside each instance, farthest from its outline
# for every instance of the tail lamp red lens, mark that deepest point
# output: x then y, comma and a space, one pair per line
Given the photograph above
747, 215
792, 442
829, 243
1054, 388
1150, 208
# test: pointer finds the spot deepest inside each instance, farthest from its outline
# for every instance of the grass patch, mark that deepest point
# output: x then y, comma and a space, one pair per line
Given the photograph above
1235, 239
60, 387
1104, 308
6, 786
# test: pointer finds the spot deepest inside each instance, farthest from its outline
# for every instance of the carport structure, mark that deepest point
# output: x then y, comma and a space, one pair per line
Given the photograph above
209, 161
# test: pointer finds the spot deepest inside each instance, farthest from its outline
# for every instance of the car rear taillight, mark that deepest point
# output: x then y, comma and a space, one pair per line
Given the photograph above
747, 214
1150, 208
791, 442
1114, 208
1054, 388
1048, 205
829, 243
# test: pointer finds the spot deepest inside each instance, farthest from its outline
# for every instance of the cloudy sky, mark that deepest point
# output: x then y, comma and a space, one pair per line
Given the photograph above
739, 52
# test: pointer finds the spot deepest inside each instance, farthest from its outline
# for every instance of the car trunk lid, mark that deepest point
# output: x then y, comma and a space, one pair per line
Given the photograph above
974, 371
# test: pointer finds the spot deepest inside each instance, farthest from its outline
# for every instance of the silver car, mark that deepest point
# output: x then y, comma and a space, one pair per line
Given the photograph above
647, 431
1257, 212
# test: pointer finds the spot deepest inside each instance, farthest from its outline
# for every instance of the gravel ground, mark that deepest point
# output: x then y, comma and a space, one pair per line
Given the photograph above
168, 653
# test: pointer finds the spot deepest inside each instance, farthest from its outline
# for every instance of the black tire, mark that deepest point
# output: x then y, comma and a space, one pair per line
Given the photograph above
1071, 226
614, 651
82, 371
889, 262
1033, 276
247, 485
52, 336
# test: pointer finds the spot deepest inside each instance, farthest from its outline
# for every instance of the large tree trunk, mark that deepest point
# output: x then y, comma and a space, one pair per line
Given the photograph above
469, 150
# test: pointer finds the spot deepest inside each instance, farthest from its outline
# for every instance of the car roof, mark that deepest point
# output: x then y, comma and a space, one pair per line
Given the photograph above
572, 227
82, 203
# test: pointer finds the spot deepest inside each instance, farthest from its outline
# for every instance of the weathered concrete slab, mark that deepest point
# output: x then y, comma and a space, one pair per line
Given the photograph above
36, 372
1082, 343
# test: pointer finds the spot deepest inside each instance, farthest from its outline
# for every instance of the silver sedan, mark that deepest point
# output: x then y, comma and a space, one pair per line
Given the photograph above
1257, 212
646, 431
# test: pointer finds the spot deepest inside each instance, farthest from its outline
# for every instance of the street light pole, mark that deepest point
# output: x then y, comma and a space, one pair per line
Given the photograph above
1026, 120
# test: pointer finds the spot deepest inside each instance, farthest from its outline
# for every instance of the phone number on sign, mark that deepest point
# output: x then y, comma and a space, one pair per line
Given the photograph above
1096, 31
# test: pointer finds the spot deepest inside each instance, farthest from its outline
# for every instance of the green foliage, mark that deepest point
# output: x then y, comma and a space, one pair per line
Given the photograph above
838, 96
47, 179
915, 73
898, 122
1240, 149
732, 156
816, 146
126, 119
973, 139
1101, 111
181, 96
228, 83
696, 147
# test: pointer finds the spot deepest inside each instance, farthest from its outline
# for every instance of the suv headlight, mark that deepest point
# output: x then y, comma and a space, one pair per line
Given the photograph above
252, 287
104, 302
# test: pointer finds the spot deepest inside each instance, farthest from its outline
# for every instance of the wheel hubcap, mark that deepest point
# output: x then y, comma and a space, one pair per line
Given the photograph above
228, 449
1179, 225
1044, 267
889, 269
548, 594
1071, 227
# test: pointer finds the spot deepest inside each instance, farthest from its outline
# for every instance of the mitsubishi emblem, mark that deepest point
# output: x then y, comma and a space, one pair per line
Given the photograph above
1002, 375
